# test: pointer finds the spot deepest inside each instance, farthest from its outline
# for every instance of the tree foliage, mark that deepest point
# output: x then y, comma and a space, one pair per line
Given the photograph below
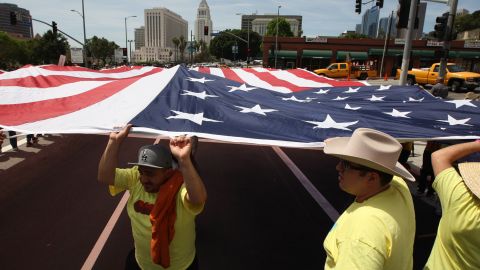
284, 29
467, 22
101, 50
221, 46
353, 36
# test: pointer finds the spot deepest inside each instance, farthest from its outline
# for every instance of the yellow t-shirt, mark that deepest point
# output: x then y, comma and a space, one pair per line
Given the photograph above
182, 247
375, 234
457, 245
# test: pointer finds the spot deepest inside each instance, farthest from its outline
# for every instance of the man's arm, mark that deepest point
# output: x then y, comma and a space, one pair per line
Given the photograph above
181, 148
109, 161
443, 159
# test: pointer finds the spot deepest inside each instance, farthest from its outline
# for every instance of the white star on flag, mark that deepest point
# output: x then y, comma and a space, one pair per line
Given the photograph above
453, 122
293, 98
330, 123
242, 87
352, 108
322, 91
201, 95
384, 88
201, 80
375, 98
256, 109
197, 118
415, 100
352, 90
340, 98
460, 103
396, 113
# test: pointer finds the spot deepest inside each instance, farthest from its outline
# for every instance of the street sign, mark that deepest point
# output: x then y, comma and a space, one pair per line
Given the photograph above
76, 55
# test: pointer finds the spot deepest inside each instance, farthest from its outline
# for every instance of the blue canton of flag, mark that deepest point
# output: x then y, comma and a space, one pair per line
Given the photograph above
217, 108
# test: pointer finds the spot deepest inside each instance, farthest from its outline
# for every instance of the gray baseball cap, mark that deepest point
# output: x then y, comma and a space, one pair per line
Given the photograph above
154, 156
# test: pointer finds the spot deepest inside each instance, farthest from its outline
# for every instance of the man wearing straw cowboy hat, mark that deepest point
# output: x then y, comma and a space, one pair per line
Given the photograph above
457, 245
378, 229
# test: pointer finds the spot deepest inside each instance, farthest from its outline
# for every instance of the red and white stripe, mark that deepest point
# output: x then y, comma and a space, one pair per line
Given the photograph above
284, 81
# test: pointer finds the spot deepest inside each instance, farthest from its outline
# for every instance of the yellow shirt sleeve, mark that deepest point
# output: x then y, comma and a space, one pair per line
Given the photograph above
193, 209
124, 180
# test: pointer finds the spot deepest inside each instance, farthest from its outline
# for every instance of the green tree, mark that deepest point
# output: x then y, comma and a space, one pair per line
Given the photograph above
49, 48
221, 46
182, 44
283, 28
101, 50
176, 42
467, 22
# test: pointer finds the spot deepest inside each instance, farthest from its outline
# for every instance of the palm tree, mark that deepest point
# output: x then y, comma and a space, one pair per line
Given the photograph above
182, 45
176, 42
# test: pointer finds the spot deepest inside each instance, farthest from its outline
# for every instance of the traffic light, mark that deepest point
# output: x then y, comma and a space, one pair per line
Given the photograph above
403, 12
13, 18
358, 6
379, 3
205, 30
54, 27
441, 26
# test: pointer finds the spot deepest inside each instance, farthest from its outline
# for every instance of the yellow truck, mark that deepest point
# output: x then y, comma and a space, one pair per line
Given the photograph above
455, 77
342, 70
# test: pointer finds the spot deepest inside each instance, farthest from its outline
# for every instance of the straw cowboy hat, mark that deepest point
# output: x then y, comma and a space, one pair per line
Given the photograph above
370, 148
470, 172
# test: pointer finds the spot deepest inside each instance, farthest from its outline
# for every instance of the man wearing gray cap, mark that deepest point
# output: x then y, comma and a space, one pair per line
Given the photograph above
377, 230
164, 201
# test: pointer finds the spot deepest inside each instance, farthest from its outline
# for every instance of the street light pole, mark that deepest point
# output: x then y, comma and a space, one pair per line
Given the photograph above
248, 36
130, 48
276, 36
126, 36
84, 34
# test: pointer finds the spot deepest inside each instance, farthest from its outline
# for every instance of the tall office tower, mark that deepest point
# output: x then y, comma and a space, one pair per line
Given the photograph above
139, 37
203, 23
15, 21
258, 23
370, 22
161, 26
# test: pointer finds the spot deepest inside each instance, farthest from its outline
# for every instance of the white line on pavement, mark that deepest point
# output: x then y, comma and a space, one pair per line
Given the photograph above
93, 256
317, 196
9, 147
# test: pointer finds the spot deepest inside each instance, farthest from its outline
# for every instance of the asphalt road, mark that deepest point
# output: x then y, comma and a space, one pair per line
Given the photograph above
258, 214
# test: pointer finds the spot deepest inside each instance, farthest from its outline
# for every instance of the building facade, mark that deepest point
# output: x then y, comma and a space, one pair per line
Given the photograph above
161, 26
258, 23
370, 22
16, 21
203, 23
139, 34
383, 27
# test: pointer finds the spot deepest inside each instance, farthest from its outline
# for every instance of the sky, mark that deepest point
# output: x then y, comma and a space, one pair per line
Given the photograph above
106, 18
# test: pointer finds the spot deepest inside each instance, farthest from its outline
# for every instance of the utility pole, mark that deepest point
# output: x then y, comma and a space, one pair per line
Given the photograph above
408, 41
387, 39
276, 37
447, 38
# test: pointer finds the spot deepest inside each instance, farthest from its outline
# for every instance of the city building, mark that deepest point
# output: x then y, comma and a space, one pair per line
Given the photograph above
15, 21
358, 28
258, 23
161, 26
203, 23
462, 11
370, 22
139, 37
383, 27
319, 52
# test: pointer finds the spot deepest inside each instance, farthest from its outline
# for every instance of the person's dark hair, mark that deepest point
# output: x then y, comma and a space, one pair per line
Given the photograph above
385, 178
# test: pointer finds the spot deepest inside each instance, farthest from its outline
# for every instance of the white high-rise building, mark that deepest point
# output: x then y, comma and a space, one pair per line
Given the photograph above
161, 26
203, 23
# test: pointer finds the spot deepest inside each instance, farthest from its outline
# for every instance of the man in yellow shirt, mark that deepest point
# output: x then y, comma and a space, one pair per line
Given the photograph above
457, 245
378, 229
163, 202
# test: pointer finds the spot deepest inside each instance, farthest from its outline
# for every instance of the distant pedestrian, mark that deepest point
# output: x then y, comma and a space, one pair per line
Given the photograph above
439, 89
457, 245
377, 230
13, 140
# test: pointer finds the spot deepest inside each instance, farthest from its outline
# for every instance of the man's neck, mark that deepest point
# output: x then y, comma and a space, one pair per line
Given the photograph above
368, 195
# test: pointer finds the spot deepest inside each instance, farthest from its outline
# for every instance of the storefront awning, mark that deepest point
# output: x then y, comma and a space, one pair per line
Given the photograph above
463, 54
284, 54
317, 54
342, 55
424, 53
390, 52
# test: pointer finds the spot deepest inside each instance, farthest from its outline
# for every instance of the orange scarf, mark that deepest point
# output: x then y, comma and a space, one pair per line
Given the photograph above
163, 218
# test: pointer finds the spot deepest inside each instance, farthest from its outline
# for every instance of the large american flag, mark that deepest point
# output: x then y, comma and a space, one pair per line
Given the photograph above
291, 108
